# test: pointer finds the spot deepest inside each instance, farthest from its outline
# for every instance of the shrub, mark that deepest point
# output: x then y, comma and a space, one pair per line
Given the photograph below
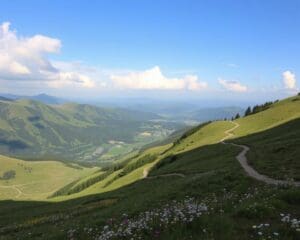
8, 175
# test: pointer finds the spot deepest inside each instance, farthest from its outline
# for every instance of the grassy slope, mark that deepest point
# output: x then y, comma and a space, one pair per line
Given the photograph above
279, 113
37, 180
274, 138
31, 129
275, 152
113, 181
243, 201
209, 134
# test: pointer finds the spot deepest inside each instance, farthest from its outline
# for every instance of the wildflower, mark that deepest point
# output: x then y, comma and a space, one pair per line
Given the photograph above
105, 227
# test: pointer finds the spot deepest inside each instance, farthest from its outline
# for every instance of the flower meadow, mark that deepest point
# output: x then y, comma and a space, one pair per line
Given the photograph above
209, 217
151, 223
267, 231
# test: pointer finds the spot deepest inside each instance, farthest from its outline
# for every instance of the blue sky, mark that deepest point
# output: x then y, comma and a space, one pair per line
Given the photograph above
234, 49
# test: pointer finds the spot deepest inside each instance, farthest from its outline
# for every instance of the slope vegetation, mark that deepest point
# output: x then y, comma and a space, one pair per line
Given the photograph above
257, 131
31, 129
237, 206
36, 180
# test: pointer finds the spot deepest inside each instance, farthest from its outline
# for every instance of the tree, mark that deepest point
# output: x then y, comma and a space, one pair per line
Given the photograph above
237, 116
248, 111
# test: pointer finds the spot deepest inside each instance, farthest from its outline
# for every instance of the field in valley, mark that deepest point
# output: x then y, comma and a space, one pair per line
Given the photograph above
36, 180
196, 166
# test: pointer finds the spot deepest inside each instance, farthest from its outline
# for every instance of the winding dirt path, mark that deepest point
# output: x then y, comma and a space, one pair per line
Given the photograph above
14, 187
19, 191
241, 157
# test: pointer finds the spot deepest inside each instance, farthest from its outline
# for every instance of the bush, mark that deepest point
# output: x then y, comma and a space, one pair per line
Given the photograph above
8, 175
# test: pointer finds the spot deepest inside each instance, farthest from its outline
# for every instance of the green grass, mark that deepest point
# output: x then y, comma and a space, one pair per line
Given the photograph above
212, 174
275, 152
129, 173
53, 220
33, 130
208, 134
273, 136
278, 113
37, 180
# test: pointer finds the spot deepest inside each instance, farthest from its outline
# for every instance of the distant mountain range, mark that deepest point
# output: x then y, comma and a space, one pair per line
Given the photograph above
44, 98
219, 113
33, 129
248, 175
180, 111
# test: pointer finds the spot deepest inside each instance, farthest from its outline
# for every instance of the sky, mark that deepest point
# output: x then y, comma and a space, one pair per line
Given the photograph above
235, 50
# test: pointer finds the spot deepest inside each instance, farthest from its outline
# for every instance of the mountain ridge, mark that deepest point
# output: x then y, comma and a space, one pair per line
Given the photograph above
29, 127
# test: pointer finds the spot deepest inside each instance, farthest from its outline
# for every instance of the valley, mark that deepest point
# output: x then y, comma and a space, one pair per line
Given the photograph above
39, 179
149, 120
75, 132
212, 165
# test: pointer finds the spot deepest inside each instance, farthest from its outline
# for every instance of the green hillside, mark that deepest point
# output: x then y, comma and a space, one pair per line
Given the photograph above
33, 130
36, 180
278, 113
194, 188
274, 138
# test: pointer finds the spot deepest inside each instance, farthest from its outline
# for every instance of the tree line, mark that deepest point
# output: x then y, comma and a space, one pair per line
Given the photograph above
258, 108
255, 109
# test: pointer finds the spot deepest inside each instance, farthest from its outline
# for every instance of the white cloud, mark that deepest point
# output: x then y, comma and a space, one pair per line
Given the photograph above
233, 86
289, 80
11, 66
26, 59
193, 84
153, 79
71, 79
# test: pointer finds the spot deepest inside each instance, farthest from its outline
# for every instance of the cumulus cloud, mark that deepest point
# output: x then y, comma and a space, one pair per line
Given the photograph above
71, 79
233, 86
26, 59
153, 79
289, 80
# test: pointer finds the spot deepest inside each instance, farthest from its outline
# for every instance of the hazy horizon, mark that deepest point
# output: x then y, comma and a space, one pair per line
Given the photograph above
240, 51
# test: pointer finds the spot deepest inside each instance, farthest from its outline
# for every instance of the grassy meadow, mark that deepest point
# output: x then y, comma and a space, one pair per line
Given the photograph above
37, 180
195, 171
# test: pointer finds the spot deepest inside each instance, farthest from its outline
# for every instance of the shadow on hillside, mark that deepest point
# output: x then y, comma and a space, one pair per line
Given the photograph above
145, 193
275, 152
281, 132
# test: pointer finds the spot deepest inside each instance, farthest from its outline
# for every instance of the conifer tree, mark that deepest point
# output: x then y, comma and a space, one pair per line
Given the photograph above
248, 111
